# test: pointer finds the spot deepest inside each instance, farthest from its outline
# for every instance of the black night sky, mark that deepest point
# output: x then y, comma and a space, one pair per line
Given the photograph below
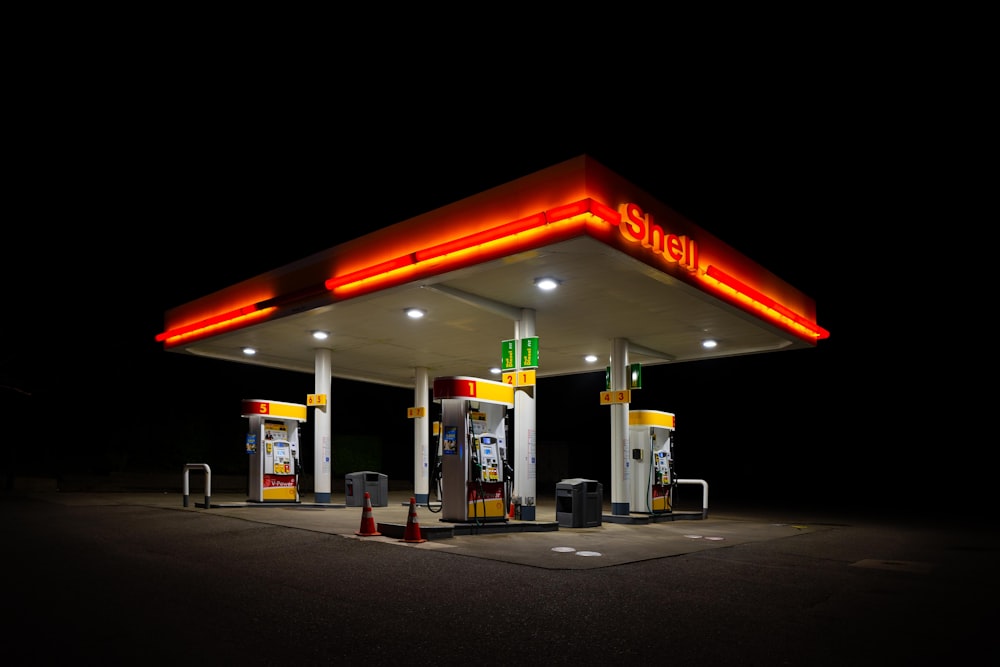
160, 206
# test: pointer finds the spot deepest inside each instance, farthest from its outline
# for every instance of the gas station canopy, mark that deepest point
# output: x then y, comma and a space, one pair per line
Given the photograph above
626, 267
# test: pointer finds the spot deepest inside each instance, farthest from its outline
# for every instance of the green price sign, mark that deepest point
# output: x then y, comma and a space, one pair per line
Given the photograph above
508, 355
634, 376
529, 352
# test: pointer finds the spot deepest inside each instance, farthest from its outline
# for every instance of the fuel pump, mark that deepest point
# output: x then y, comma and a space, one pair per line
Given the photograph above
436, 473
508, 480
652, 482
272, 443
473, 449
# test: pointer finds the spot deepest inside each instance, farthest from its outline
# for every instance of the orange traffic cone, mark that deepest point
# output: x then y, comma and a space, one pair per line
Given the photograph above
367, 519
510, 513
412, 532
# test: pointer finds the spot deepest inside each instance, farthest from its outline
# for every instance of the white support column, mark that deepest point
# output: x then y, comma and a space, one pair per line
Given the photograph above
322, 459
525, 433
619, 430
421, 437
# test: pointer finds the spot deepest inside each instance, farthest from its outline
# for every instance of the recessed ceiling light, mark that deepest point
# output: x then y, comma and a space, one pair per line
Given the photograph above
546, 283
495, 371
709, 343
590, 358
415, 313
249, 351
321, 335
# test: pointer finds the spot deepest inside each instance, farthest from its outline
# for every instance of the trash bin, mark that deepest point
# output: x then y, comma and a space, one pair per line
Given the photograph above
375, 483
579, 503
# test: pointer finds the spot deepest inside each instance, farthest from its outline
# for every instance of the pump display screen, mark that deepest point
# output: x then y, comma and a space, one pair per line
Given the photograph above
488, 440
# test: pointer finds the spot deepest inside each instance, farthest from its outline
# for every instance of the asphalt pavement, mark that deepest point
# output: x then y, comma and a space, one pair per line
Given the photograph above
545, 542
160, 578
